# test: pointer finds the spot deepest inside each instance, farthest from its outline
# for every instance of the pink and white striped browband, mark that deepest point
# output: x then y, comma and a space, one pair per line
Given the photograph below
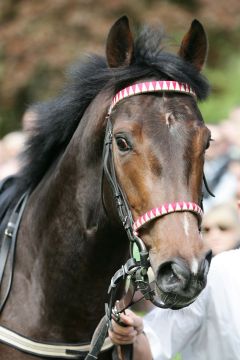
151, 86
166, 209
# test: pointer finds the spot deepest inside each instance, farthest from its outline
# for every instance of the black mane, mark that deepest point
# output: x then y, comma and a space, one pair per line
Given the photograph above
58, 119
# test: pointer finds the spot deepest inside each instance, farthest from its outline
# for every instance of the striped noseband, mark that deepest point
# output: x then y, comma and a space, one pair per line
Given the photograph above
167, 209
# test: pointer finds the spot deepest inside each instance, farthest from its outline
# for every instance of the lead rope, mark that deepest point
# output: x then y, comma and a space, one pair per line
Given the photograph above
101, 331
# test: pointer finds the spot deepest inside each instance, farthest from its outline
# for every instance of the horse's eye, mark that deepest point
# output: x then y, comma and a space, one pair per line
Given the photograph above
208, 143
122, 144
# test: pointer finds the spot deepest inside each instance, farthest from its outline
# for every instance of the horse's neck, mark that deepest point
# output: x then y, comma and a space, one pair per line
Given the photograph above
66, 254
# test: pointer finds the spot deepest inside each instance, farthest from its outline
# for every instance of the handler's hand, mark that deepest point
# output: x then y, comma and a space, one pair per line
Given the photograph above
121, 335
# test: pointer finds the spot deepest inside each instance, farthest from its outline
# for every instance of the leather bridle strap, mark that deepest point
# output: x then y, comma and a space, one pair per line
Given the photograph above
8, 245
123, 209
14, 339
102, 329
63, 351
139, 273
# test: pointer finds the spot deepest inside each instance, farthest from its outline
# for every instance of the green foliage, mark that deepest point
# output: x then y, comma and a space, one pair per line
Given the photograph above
177, 357
225, 93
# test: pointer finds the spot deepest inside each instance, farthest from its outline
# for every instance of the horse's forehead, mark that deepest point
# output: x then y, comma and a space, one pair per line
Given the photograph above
151, 111
157, 103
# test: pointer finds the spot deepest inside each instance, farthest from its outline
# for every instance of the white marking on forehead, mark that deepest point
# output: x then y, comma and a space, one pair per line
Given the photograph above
188, 110
194, 267
186, 224
167, 116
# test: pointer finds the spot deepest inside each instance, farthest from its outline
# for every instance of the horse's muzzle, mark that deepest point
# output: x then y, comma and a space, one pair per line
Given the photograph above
177, 285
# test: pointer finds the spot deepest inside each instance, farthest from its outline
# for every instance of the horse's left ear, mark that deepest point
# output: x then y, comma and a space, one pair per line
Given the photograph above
194, 46
119, 49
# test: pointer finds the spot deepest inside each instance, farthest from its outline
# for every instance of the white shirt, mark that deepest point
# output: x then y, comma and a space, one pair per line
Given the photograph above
208, 329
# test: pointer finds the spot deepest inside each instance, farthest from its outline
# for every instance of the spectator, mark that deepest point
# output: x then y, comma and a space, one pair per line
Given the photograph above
208, 329
220, 180
221, 228
12, 145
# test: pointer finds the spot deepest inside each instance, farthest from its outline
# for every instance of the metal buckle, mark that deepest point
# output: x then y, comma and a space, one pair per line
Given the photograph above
9, 231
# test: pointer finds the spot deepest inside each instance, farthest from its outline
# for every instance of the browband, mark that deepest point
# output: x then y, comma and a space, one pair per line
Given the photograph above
151, 86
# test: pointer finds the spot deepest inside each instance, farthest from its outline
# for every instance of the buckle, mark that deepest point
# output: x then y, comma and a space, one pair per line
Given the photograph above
9, 229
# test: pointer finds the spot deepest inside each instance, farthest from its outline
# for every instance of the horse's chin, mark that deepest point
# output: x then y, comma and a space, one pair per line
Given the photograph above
172, 301
181, 305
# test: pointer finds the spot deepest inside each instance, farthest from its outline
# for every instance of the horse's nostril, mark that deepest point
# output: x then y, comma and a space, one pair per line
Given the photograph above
181, 272
208, 257
173, 276
204, 267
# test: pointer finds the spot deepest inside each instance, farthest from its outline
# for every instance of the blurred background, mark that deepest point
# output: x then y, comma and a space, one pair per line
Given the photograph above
39, 39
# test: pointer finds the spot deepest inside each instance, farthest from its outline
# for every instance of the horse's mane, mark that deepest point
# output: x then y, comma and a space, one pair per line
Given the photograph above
57, 119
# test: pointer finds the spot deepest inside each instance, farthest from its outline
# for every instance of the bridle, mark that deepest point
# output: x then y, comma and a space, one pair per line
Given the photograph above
136, 270
130, 225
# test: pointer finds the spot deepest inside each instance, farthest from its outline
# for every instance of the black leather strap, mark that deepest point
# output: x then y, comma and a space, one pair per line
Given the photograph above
98, 338
7, 250
102, 328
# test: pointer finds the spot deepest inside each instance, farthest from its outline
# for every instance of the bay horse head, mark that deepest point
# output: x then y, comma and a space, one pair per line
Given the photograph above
158, 145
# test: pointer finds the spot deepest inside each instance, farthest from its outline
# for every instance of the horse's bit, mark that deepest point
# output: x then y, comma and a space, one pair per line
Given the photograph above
137, 270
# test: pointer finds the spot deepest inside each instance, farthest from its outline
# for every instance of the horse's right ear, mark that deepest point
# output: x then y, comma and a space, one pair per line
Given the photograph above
119, 49
194, 46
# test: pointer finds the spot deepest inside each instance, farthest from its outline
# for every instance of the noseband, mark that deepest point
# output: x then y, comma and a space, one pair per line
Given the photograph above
165, 209
131, 225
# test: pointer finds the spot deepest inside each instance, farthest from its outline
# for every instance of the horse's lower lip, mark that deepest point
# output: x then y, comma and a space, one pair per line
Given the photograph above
173, 301
176, 305
181, 306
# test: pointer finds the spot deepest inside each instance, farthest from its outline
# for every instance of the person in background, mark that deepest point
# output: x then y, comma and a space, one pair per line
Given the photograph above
208, 329
221, 228
12, 144
10, 147
220, 179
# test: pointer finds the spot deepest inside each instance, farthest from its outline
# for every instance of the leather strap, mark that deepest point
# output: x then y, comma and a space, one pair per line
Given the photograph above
101, 331
63, 351
8, 245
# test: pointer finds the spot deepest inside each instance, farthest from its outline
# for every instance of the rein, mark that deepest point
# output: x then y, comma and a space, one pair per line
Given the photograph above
135, 270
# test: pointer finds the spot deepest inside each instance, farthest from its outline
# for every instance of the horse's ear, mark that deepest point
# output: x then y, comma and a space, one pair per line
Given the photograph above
194, 46
119, 49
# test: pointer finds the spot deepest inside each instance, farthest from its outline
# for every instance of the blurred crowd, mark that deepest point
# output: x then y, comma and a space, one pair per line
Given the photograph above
222, 166
221, 222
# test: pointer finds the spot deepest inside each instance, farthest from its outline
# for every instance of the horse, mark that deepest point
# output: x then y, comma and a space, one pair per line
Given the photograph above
70, 239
